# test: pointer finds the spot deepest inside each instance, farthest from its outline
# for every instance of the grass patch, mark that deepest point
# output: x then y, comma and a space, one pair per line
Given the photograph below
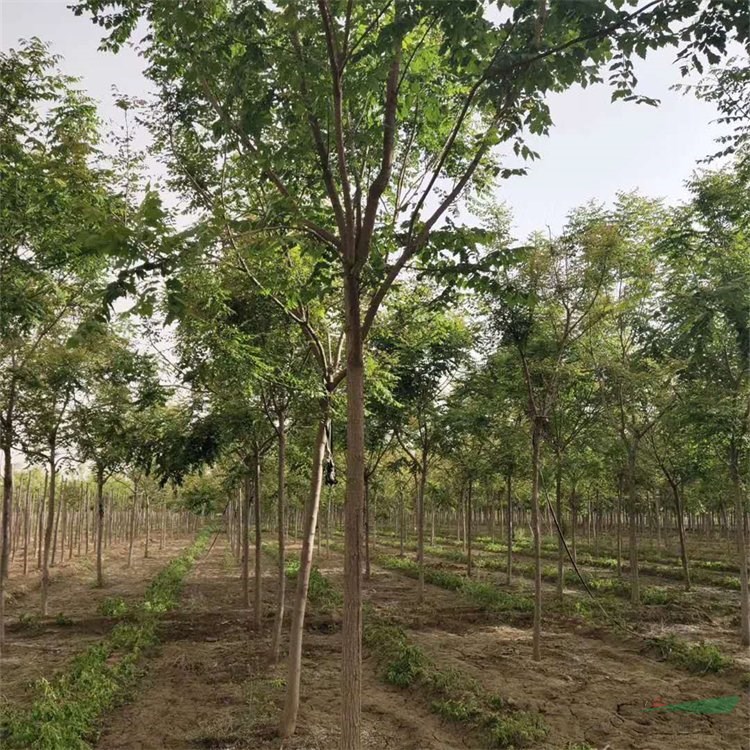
113, 606
66, 709
63, 620
453, 695
483, 594
695, 657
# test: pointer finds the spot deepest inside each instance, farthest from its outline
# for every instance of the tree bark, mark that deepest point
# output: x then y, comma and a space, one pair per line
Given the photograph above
509, 500
558, 511
49, 527
280, 521
635, 593
7, 500
536, 440
469, 561
99, 525
294, 670
246, 538
258, 606
739, 512
351, 672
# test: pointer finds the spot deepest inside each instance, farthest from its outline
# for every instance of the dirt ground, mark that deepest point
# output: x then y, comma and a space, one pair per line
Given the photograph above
209, 685
39, 646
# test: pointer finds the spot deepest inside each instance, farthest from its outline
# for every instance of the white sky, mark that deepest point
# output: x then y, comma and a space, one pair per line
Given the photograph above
595, 148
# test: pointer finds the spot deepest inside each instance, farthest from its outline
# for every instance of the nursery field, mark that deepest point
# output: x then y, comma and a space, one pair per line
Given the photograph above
375, 375
454, 671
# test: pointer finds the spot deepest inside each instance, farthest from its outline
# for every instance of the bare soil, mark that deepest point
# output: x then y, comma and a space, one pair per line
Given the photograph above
39, 646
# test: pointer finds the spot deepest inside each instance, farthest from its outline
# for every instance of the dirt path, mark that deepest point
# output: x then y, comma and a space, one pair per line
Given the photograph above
591, 689
37, 647
209, 686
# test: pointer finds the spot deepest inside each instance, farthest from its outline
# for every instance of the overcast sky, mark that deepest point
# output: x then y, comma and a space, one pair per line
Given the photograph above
595, 149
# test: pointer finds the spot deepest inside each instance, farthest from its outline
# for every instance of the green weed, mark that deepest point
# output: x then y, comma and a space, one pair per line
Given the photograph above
62, 620
695, 657
113, 606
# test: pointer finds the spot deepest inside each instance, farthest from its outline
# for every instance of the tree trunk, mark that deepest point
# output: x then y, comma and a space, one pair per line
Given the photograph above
26, 528
558, 511
401, 523
294, 670
99, 525
280, 521
619, 525
509, 500
49, 527
246, 539
536, 440
7, 500
258, 605
739, 512
635, 593
469, 562
132, 523
681, 532
147, 519
351, 672
367, 526
420, 522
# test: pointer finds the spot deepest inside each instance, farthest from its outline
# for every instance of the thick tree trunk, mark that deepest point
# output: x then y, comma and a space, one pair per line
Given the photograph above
280, 521
49, 527
294, 670
99, 525
536, 440
351, 672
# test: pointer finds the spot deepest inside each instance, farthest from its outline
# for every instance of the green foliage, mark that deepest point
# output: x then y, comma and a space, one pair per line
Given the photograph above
113, 606
695, 657
62, 620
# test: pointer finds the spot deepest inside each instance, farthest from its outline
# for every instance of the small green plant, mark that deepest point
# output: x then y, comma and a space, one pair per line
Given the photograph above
695, 657
28, 620
62, 620
113, 606
517, 729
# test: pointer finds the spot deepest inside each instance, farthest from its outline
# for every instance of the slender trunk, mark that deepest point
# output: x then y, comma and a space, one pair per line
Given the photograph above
681, 532
248, 491
258, 605
573, 521
49, 527
99, 525
558, 511
536, 440
469, 561
132, 523
401, 523
635, 593
147, 522
509, 500
420, 522
26, 527
351, 671
739, 512
57, 524
64, 503
294, 669
367, 526
619, 525
7, 500
280, 521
